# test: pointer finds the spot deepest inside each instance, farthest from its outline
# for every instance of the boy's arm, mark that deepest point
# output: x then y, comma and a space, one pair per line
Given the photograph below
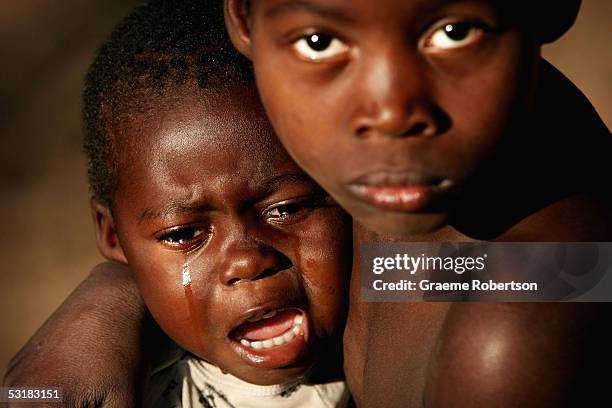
93, 345
521, 355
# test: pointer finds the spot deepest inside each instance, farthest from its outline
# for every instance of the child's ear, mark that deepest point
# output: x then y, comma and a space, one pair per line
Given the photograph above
555, 18
236, 21
106, 235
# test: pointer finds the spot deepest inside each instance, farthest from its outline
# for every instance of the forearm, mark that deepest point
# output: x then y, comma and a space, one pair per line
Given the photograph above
92, 343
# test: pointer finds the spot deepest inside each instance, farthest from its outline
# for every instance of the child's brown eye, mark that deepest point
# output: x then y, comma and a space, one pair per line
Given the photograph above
318, 42
458, 32
183, 237
294, 210
319, 47
286, 211
289, 212
452, 35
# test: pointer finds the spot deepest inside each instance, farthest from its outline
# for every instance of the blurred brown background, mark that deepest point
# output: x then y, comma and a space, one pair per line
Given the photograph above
46, 242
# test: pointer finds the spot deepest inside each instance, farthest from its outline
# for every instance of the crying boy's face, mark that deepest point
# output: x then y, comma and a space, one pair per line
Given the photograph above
390, 105
241, 258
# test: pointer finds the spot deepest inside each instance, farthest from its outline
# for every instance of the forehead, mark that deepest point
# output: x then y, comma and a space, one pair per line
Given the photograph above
355, 20
190, 122
221, 130
352, 9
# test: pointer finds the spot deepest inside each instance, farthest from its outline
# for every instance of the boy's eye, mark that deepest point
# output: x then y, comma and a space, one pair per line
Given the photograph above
295, 210
453, 35
287, 211
183, 237
319, 47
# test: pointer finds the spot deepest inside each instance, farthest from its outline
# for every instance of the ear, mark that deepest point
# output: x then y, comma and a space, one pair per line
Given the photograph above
236, 22
106, 235
554, 19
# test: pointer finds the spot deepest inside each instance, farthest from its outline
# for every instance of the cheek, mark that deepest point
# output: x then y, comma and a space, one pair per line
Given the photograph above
488, 98
170, 289
325, 259
302, 118
165, 296
303, 140
291, 125
484, 102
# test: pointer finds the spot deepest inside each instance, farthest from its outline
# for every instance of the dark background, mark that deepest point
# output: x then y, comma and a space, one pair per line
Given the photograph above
46, 241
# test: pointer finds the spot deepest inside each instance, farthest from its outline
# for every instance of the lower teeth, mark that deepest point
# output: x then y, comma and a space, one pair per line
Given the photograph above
278, 340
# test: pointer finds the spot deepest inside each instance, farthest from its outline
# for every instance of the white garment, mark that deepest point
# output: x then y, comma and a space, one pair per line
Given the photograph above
193, 383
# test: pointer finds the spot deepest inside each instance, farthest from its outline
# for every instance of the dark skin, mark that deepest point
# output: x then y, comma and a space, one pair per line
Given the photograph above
245, 234
474, 354
442, 115
106, 303
436, 121
256, 233
387, 84
439, 354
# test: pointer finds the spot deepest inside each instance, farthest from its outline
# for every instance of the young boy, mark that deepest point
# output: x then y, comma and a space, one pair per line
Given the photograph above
438, 121
417, 115
240, 257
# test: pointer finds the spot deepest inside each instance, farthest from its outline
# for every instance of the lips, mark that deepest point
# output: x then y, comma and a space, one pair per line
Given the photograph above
404, 191
273, 339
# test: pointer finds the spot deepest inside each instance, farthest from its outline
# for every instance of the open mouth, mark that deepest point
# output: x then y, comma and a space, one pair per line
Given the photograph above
274, 338
271, 329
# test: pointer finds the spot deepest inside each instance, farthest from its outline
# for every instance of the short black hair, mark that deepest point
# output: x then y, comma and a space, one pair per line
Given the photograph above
162, 44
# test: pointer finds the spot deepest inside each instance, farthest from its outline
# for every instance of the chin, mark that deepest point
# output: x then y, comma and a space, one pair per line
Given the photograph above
402, 225
270, 376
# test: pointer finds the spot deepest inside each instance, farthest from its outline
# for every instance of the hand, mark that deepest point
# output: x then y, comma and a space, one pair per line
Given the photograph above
92, 346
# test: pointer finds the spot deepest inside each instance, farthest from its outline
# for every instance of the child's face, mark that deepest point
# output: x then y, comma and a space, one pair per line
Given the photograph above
220, 226
390, 105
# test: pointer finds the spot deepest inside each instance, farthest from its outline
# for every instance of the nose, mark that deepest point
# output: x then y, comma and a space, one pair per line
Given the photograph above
246, 260
393, 97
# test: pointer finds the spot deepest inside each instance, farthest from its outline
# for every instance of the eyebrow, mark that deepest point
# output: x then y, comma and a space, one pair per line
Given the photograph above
185, 207
176, 207
270, 186
309, 7
275, 183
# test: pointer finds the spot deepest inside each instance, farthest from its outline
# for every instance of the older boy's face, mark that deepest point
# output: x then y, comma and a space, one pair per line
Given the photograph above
390, 105
221, 227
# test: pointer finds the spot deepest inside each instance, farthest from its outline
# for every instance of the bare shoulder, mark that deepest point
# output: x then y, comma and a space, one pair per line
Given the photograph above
519, 354
580, 217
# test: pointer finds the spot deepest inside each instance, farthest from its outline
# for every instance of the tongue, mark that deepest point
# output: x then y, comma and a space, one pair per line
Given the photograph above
268, 328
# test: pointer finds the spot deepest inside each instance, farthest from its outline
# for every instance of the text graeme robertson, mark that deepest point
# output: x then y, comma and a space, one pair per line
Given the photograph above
427, 285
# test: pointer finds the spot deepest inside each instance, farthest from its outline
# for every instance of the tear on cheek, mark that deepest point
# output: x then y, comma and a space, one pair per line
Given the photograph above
186, 276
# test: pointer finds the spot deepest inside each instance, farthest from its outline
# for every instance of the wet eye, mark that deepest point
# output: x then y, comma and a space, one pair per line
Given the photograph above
290, 211
183, 237
285, 211
319, 46
453, 35
296, 209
